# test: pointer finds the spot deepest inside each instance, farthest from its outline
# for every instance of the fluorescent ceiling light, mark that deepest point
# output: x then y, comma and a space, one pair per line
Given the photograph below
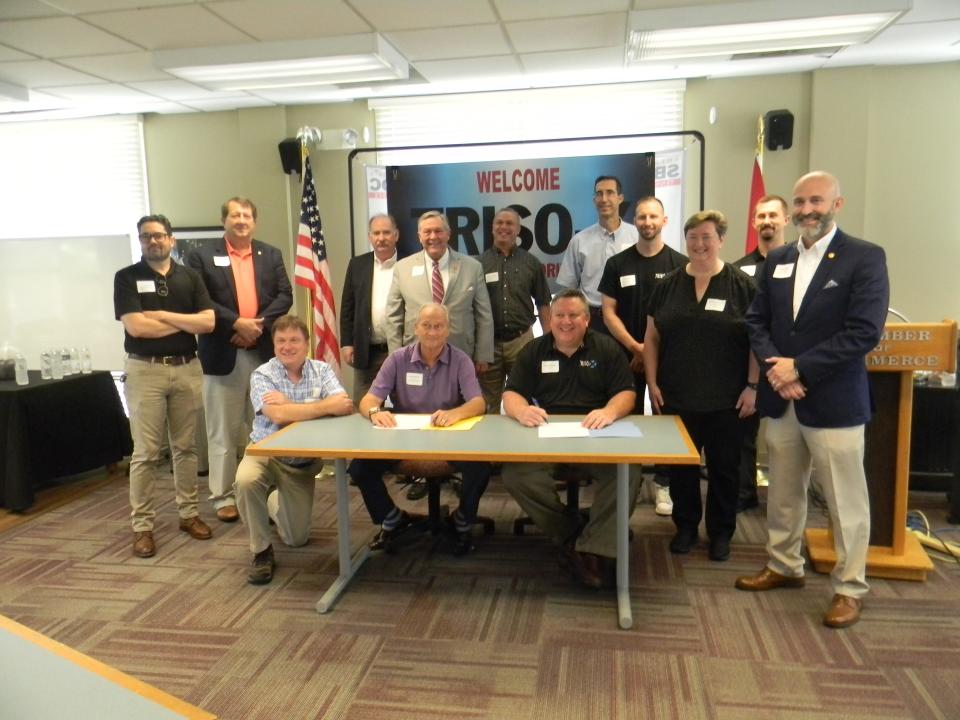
364, 57
759, 26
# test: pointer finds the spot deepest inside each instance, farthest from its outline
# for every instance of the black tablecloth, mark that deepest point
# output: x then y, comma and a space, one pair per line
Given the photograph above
54, 428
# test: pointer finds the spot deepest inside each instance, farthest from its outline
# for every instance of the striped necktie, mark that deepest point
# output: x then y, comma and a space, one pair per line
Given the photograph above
436, 284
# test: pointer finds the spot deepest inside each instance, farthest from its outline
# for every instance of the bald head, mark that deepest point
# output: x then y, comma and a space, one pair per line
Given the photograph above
816, 201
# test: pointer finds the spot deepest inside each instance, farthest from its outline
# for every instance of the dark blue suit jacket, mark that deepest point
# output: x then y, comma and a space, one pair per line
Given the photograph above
839, 322
355, 317
274, 298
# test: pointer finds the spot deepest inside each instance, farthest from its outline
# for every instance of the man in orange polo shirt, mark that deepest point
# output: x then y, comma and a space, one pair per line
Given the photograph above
250, 288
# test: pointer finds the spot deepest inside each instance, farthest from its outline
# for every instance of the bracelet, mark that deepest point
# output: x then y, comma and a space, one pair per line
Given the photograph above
752, 385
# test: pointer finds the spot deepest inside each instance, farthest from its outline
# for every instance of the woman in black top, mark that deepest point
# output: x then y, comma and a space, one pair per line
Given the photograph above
699, 366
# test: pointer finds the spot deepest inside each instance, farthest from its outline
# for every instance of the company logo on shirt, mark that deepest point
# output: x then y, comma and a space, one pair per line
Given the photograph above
592, 364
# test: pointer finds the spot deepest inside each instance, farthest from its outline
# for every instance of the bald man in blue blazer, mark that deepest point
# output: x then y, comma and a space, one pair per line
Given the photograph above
820, 308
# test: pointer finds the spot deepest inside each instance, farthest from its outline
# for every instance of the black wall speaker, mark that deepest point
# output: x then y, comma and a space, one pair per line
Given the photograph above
778, 129
290, 156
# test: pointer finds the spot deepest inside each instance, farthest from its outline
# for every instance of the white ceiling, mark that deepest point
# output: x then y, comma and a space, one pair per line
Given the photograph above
83, 57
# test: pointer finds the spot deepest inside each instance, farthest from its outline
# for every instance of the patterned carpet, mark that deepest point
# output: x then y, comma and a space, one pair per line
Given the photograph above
501, 634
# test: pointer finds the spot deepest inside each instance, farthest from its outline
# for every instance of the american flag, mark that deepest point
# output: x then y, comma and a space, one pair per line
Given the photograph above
313, 272
757, 190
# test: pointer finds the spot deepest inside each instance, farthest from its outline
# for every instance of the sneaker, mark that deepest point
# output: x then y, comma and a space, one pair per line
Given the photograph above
261, 569
664, 503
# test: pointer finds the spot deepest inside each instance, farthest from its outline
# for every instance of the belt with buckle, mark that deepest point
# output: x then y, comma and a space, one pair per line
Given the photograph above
163, 359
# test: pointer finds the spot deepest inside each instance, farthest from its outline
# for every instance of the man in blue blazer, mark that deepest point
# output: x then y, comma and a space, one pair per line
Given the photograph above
363, 305
820, 308
250, 288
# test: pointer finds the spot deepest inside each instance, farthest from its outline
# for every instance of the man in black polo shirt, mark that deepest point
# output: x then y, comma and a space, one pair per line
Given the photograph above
162, 306
625, 287
515, 280
574, 371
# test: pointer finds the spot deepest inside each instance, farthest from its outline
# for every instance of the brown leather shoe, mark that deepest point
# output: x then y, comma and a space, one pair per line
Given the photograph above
196, 527
582, 566
844, 611
228, 513
143, 545
768, 580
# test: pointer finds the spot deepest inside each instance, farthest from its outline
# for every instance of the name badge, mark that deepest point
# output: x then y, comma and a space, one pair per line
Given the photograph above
221, 260
416, 271
415, 378
550, 366
750, 270
492, 277
628, 280
716, 304
783, 270
316, 392
145, 286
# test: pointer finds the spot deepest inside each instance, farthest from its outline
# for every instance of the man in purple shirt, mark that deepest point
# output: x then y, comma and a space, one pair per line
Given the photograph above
432, 377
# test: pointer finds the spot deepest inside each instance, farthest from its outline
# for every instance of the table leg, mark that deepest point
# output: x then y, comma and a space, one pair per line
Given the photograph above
348, 565
623, 546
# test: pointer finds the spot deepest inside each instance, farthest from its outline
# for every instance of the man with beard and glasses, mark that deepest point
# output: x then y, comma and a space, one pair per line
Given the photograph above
628, 279
820, 308
163, 306
769, 220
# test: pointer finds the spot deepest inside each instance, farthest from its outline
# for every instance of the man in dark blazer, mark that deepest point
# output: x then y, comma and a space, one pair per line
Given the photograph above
363, 306
820, 308
439, 274
250, 288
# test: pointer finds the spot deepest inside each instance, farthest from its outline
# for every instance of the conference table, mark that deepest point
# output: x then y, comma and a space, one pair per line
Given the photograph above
55, 428
496, 438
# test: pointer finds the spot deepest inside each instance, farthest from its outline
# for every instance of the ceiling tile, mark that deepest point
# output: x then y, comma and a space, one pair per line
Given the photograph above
14, 9
84, 6
543, 9
228, 103
7, 53
442, 70
593, 59
168, 27
290, 19
43, 73
409, 14
902, 44
38, 101
589, 31
444, 43
173, 89
123, 67
59, 37
97, 93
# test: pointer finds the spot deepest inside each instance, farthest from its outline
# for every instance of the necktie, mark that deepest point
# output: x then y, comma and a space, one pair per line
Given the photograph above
436, 284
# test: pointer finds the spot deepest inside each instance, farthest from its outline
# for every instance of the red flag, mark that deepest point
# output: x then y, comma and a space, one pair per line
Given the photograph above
313, 272
757, 191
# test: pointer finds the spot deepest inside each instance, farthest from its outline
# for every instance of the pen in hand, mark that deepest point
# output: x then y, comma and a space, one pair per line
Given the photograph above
537, 405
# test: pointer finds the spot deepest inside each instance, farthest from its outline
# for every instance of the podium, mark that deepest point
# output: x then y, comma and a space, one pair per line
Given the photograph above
904, 348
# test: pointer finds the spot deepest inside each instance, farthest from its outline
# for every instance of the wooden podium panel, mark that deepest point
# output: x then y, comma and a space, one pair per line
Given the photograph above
903, 349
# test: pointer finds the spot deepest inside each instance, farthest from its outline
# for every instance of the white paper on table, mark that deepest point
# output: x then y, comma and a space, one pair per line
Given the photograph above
620, 428
408, 421
562, 430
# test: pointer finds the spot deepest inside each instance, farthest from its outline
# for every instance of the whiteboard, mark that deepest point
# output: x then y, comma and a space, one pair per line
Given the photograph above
58, 292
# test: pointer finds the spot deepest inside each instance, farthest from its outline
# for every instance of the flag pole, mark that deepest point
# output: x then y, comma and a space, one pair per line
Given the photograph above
311, 334
757, 189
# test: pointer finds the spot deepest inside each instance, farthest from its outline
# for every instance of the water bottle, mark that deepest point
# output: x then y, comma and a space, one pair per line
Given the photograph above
56, 365
74, 361
46, 365
20, 370
86, 362
66, 364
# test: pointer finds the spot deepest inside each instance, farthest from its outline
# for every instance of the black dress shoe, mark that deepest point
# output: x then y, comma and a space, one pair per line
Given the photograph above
385, 539
747, 503
462, 539
719, 549
418, 489
683, 542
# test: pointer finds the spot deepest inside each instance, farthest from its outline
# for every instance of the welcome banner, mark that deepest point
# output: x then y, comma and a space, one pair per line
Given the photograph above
553, 196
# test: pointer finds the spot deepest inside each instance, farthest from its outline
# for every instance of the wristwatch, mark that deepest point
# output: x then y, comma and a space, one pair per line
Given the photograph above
752, 385
373, 411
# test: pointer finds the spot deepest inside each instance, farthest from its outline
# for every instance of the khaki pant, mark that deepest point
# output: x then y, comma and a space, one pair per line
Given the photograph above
493, 380
534, 488
835, 458
158, 395
291, 507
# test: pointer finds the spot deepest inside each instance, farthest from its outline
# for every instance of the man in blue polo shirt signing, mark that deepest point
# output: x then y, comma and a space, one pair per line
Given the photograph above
428, 376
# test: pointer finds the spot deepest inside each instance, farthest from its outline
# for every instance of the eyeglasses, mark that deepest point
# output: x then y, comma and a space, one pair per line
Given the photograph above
148, 237
162, 289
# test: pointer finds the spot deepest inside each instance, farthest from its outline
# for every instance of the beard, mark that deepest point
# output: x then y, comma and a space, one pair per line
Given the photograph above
823, 220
